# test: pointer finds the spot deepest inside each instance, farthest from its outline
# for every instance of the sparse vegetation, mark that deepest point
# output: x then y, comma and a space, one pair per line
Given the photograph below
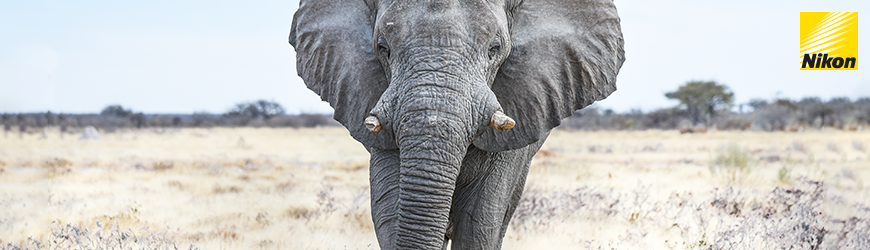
705, 105
733, 162
784, 175
198, 188
74, 123
708, 105
70, 236
785, 218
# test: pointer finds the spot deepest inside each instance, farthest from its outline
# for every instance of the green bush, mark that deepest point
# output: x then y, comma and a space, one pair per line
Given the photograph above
733, 162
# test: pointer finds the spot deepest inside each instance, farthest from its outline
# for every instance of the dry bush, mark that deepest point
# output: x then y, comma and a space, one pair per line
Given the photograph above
162, 165
226, 233
57, 164
798, 146
71, 236
785, 218
690, 130
789, 218
537, 210
325, 201
857, 145
301, 213
217, 189
356, 214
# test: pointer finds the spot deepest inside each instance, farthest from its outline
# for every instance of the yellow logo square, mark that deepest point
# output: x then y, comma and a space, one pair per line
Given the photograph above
829, 41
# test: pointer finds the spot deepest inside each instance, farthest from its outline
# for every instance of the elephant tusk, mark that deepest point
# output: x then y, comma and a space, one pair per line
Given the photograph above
373, 124
501, 122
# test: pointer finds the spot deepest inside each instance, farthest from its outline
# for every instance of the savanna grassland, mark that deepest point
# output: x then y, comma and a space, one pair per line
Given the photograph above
265, 188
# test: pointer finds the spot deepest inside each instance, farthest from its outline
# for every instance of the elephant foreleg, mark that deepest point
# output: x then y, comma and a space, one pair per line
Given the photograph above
488, 190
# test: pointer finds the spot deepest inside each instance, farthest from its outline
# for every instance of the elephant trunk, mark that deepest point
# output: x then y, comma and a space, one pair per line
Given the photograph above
434, 129
428, 172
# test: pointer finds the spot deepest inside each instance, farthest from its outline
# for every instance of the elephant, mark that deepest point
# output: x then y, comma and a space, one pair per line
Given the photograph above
452, 99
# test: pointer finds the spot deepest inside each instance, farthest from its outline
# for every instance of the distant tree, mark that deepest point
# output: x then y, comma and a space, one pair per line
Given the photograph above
862, 108
22, 125
7, 123
50, 118
841, 111
773, 117
138, 120
786, 103
703, 99
61, 120
314, 120
668, 118
39, 119
757, 104
586, 118
201, 119
260, 108
116, 110
813, 109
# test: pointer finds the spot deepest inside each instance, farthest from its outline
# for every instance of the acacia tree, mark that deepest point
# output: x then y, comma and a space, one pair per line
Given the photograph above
703, 99
116, 110
260, 108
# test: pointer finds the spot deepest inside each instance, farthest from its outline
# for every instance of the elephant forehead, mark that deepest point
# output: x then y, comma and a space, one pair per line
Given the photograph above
465, 21
432, 120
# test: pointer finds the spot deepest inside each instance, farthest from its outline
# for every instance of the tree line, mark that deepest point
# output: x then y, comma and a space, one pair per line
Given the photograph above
259, 113
708, 104
702, 105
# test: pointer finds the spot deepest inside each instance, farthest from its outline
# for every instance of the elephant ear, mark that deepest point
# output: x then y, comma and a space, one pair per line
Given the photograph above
565, 55
335, 58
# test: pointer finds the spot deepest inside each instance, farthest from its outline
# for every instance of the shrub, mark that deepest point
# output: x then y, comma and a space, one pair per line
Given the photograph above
785, 218
732, 161
71, 236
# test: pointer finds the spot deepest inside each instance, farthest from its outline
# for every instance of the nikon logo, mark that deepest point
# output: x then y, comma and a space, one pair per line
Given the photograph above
822, 61
829, 41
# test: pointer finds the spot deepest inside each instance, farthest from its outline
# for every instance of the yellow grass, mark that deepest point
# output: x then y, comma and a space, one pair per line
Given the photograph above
262, 188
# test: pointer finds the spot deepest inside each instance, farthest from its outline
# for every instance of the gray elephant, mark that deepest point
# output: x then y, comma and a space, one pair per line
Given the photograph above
452, 99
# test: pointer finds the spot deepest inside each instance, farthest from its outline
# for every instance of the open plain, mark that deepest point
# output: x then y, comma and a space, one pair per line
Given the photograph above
271, 188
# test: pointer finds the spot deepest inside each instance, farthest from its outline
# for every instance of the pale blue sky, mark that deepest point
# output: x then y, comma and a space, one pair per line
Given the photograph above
186, 56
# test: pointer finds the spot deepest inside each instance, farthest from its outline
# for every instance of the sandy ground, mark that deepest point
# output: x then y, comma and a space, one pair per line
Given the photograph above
262, 188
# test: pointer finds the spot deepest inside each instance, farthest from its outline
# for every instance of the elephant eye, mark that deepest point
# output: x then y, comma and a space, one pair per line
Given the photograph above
383, 50
493, 51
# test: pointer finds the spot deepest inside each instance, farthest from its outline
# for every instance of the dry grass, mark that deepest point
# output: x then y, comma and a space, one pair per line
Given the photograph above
308, 189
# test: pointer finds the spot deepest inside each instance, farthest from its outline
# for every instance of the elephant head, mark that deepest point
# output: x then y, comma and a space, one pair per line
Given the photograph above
432, 78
